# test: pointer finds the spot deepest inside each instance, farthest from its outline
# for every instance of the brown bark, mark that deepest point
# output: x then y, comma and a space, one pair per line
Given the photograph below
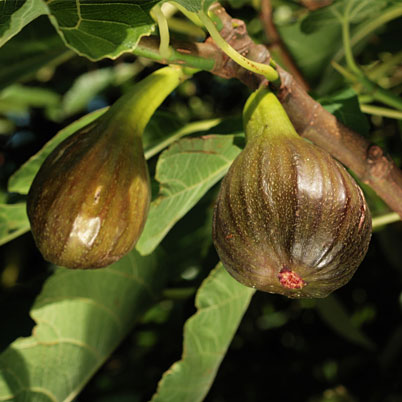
234, 32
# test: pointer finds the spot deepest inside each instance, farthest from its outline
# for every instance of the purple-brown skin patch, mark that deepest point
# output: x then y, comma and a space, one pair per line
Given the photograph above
290, 279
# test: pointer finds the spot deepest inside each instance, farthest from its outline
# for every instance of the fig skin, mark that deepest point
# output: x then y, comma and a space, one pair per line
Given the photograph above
89, 201
289, 219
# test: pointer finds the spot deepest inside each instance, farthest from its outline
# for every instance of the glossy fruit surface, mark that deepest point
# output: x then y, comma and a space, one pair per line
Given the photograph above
89, 201
87, 205
289, 219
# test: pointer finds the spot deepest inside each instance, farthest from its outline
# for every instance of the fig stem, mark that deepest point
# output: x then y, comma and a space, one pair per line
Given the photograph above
164, 49
264, 69
135, 108
264, 115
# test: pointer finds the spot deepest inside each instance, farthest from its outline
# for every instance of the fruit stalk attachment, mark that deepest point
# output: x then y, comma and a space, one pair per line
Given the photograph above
289, 219
89, 201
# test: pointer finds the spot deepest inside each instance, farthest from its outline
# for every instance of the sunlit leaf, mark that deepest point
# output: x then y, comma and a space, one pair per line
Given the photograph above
81, 316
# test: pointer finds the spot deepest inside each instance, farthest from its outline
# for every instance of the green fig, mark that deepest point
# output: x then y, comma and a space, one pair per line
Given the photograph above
289, 219
88, 203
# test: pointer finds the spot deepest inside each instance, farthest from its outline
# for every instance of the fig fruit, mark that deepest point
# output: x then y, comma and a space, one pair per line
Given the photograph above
289, 219
89, 201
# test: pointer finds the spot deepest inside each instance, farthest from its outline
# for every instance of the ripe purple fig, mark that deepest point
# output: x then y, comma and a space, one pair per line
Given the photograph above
289, 219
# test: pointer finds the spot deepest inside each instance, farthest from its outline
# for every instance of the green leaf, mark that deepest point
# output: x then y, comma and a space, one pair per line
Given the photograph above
15, 14
21, 180
165, 128
221, 302
103, 28
353, 11
186, 171
345, 106
334, 314
81, 316
162, 125
13, 221
36, 46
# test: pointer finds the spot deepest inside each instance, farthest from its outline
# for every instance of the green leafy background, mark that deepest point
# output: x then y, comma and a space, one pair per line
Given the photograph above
79, 318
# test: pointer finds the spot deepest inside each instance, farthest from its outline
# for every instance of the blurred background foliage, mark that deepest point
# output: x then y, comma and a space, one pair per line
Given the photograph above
284, 350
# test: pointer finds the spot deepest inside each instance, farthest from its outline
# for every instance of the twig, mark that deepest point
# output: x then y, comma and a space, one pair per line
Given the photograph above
190, 54
266, 70
381, 111
276, 43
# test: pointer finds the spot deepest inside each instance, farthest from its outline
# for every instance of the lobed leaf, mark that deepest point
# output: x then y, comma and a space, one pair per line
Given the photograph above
186, 171
221, 302
99, 29
81, 316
